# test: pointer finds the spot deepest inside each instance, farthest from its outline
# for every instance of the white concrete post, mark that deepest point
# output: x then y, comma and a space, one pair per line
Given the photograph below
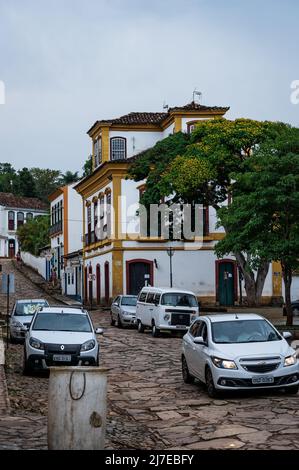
77, 408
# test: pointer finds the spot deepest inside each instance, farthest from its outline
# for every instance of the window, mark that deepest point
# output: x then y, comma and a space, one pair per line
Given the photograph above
195, 328
97, 152
142, 297
150, 298
95, 211
20, 218
190, 127
29, 216
108, 202
11, 220
89, 223
68, 278
102, 202
118, 148
157, 298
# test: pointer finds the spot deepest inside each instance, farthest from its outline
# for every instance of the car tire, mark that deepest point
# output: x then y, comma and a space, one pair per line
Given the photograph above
187, 377
119, 323
155, 331
27, 369
140, 327
112, 321
293, 390
212, 391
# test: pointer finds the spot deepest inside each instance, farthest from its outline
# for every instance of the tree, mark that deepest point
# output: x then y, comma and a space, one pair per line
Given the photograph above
46, 181
34, 234
263, 217
87, 168
215, 149
25, 184
68, 177
7, 177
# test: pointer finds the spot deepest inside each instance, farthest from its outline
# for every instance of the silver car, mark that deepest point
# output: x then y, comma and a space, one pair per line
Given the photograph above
21, 316
123, 310
61, 336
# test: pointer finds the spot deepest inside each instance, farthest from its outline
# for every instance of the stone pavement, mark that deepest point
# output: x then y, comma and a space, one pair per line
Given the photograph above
149, 406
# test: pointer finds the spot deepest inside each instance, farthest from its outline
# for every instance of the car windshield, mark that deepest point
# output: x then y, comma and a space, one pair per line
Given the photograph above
243, 331
132, 301
179, 300
29, 308
61, 322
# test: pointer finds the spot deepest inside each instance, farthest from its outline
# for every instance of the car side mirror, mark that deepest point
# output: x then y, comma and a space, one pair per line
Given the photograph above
287, 334
199, 340
99, 331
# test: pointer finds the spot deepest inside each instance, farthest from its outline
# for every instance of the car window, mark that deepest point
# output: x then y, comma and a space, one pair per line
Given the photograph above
150, 298
204, 332
243, 331
29, 308
195, 328
62, 322
157, 298
179, 300
130, 301
142, 296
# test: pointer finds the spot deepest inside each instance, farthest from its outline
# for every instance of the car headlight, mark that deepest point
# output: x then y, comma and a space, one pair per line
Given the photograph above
17, 324
166, 317
88, 345
224, 363
290, 360
126, 314
36, 343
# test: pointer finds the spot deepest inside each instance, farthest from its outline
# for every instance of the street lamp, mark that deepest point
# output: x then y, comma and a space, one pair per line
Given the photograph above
170, 253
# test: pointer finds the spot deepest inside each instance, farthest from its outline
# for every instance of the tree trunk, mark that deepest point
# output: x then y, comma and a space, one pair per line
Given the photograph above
253, 287
287, 277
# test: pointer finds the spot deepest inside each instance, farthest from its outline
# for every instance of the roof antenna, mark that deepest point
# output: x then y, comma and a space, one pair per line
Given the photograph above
165, 106
197, 93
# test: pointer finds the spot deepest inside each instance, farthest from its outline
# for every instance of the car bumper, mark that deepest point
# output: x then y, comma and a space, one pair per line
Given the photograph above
38, 361
127, 320
237, 380
172, 327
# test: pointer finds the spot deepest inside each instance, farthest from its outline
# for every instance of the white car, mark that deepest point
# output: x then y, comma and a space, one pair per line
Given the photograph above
165, 309
123, 310
21, 316
238, 351
61, 336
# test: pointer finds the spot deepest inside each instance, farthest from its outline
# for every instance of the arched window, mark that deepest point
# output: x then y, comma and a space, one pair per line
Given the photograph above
118, 148
20, 218
29, 216
11, 220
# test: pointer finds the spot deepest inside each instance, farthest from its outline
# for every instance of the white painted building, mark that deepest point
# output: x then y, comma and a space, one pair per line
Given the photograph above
66, 239
14, 212
122, 259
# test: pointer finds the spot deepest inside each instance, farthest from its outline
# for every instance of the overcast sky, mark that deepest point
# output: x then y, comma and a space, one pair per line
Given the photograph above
67, 63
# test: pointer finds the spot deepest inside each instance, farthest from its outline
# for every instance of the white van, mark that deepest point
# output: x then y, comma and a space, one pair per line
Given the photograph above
165, 309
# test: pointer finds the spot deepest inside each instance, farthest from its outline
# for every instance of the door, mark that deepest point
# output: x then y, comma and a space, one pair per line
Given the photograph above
200, 352
226, 283
107, 282
90, 284
139, 272
11, 248
190, 347
98, 280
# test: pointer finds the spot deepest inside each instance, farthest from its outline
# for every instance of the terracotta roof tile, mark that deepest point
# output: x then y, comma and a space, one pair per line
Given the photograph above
11, 200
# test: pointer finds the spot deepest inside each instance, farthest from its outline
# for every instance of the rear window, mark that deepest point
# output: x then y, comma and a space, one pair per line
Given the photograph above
62, 322
29, 308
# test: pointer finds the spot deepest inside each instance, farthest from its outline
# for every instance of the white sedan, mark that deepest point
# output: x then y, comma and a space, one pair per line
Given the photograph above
239, 351
123, 310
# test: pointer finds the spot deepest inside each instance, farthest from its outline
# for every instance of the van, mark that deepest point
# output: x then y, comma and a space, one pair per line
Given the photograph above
165, 309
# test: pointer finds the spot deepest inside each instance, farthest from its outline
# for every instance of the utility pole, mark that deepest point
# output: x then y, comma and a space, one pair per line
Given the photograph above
170, 253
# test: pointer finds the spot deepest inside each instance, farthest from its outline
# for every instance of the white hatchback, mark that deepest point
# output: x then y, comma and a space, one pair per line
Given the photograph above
239, 351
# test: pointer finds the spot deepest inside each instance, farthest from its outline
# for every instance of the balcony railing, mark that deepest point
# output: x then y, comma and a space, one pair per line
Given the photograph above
56, 228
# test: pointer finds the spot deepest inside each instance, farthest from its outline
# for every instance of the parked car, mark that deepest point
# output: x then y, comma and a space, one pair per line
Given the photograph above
21, 316
165, 309
60, 336
242, 351
123, 310
295, 308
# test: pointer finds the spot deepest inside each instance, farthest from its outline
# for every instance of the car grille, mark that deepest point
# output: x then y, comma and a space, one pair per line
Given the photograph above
260, 368
67, 349
180, 319
260, 365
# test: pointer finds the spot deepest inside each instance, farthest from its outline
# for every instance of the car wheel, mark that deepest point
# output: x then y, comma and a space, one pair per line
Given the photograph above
27, 369
119, 323
140, 327
112, 321
293, 390
155, 331
212, 391
187, 377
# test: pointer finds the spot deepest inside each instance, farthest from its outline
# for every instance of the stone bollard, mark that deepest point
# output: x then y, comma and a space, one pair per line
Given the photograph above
77, 408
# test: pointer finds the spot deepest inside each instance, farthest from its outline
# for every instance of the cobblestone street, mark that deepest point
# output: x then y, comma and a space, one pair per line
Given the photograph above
149, 405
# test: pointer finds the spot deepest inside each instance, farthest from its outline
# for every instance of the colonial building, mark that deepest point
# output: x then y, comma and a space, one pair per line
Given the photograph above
119, 258
66, 239
14, 212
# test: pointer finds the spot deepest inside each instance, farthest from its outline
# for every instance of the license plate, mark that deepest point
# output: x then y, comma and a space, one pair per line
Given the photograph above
62, 358
263, 380
180, 326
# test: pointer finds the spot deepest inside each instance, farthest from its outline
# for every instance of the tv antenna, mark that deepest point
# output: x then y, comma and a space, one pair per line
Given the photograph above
165, 106
197, 93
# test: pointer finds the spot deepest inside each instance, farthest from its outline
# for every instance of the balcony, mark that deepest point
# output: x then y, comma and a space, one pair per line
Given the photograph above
56, 228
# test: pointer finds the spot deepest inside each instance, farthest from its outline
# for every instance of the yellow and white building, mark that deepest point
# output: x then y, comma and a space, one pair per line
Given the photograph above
121, 260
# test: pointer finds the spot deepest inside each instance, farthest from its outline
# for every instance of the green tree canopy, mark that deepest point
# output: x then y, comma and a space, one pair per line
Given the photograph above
34, 234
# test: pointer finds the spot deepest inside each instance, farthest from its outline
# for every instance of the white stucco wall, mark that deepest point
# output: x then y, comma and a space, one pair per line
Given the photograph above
137, 141
294, 288
191, 119
37, 263
75, 220
101, 260
168, 131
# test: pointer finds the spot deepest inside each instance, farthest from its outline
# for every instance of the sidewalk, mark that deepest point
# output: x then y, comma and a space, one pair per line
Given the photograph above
4, 400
